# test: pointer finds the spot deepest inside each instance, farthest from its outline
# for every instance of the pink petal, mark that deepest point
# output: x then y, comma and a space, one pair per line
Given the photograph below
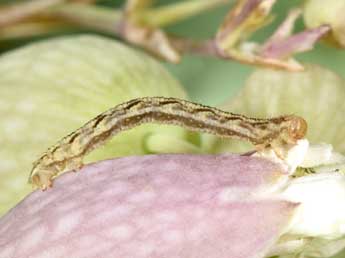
285, 28
300, 42
173, 206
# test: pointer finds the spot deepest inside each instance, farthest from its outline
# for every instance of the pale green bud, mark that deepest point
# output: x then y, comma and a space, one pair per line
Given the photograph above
319, 12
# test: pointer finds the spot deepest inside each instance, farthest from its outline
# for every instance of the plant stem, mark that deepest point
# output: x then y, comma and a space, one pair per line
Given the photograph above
17, 12
169, 14
30, 29
90, 16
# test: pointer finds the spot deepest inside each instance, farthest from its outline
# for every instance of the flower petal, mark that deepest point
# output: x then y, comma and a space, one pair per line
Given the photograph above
300, 42
322, 210
176, 206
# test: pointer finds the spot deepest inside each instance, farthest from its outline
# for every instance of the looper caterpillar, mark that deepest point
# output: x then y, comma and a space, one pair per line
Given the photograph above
69, 152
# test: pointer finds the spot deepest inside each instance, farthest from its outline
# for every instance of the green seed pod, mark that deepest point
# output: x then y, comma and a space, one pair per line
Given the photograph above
52, 88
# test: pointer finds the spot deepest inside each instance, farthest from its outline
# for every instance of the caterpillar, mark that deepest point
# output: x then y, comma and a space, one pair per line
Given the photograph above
68, 153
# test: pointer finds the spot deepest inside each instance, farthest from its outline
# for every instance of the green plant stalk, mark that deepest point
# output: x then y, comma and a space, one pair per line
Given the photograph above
94, 17
169, 14
17, 12
107, 20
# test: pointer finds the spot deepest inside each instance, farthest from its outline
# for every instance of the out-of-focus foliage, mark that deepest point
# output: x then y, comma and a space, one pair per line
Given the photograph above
316, 12
213, 81
50, 89
316, 94
225, 77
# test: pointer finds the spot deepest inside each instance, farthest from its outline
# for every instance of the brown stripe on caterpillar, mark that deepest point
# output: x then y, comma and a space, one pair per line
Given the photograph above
69, 152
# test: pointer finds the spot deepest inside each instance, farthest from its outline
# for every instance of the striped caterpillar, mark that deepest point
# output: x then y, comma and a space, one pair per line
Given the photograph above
69, 152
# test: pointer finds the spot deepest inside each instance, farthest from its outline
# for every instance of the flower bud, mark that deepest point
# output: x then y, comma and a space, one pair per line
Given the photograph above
316, 13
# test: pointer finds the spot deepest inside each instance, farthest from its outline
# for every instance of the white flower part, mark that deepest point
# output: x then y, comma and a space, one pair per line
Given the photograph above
322, 210
339, 168
336, 158
321, 154
320, 157
295, 155
318, 227
316, 155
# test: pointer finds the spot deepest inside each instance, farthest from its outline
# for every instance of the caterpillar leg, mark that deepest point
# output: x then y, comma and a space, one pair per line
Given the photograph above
43, 179
76, 164
279, 147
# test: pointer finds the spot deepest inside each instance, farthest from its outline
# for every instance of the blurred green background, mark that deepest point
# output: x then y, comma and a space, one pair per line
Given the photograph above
209, 80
